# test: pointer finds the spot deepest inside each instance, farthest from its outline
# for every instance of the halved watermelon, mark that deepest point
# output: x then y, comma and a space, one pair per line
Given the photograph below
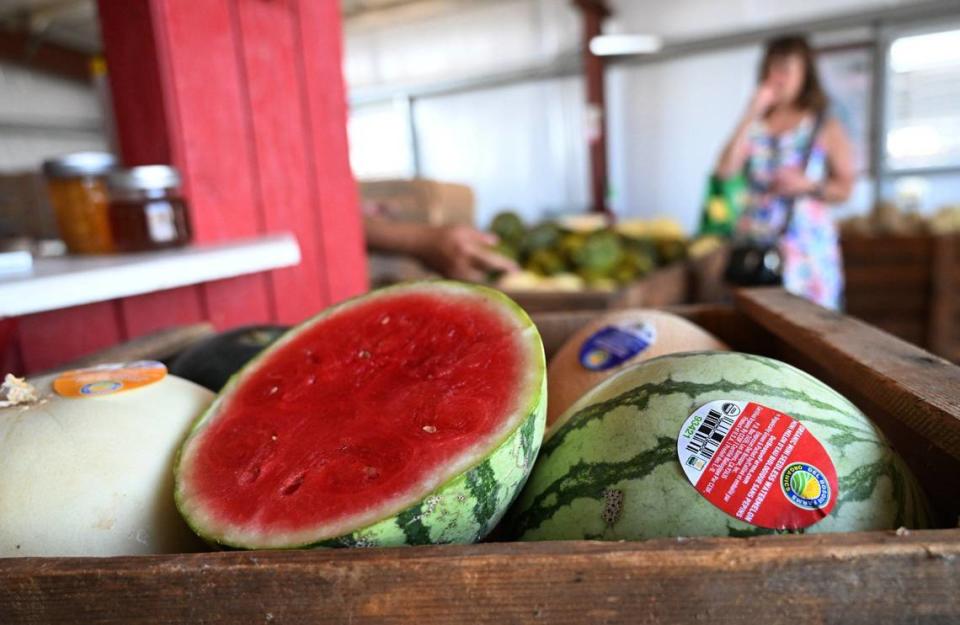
407, 416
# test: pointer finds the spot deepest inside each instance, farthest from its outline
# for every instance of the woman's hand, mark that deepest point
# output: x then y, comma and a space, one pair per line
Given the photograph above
737, 150
763, 98
462, 252
791, 182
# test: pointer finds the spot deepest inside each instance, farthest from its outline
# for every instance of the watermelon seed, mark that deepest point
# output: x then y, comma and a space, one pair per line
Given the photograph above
364, 354
249, 476
273, 390
371, 473
293, 485
430, 429
385, 320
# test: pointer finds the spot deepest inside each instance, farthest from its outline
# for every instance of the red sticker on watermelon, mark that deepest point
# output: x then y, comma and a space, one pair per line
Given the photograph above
758, 465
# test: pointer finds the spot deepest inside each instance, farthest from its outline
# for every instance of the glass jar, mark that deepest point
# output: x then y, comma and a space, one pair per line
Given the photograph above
147, 211
78, 194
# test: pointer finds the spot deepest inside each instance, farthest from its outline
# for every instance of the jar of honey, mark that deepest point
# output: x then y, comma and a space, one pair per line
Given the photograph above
147, 210
78, 194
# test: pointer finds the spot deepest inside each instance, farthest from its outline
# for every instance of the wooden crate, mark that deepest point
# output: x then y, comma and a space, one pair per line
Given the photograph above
667, 286
874, 577
908, 286
707, 285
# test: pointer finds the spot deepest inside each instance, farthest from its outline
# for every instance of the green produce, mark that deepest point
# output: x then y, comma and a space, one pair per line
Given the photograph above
545, 263
410, 415
600, 254
671, 250
542, 237
609, 466
508, 227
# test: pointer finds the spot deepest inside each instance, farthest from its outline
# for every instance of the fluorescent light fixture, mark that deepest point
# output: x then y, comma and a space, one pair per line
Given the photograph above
621, 45
920, 52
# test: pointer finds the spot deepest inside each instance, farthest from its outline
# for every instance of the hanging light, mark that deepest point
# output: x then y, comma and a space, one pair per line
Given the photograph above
624, 45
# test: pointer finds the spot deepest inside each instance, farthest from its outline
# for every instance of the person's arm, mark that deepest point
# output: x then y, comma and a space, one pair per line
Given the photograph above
791, 181
459, 252
737, 150
840, 167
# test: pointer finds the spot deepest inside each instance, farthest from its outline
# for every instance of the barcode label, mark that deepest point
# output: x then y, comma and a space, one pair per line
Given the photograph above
710, 434
703, 435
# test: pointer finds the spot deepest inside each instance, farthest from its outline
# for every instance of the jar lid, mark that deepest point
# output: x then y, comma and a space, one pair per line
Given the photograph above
79, 164
144, 178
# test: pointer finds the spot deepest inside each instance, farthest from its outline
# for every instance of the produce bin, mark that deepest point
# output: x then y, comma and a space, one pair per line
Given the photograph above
873, 577
908, 285
667, 286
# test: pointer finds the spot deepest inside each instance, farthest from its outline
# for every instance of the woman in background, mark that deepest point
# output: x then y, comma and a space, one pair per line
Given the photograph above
769, 145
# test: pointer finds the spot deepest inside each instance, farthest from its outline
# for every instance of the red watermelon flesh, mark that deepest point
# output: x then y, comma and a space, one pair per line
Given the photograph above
355, 415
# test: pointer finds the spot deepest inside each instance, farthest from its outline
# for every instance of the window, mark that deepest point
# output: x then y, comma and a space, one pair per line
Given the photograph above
923, 100
380, 142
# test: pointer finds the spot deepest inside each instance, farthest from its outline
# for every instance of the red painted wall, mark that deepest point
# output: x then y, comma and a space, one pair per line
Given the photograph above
246, 98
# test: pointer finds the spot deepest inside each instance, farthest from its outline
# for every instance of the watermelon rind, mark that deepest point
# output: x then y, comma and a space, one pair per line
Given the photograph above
609, 470
462, 508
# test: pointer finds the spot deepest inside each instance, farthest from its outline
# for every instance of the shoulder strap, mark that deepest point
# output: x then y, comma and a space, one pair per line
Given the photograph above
804, 161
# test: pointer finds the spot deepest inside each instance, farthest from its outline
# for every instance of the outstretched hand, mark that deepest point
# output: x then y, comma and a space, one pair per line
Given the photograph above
463, 253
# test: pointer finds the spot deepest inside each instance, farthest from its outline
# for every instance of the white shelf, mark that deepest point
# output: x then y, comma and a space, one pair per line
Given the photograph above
61, 282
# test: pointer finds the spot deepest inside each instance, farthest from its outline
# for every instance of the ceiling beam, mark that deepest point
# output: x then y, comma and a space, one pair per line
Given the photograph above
26, 49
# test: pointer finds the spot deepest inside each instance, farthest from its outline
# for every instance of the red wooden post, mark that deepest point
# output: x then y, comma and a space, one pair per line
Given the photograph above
594, 12
246, 98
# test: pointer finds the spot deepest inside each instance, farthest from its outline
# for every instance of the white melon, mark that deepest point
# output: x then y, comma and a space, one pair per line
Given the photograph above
94, 476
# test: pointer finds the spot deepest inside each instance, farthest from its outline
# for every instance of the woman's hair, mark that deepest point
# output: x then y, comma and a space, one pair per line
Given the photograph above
812, 96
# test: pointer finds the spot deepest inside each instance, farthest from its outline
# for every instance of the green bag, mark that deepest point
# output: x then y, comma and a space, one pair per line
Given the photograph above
723, 205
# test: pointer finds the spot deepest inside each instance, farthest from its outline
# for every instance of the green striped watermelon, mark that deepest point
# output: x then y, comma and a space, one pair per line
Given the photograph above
609, 468
411, 415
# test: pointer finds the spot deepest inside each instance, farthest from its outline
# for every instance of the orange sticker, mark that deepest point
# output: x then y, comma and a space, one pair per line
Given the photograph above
109, 379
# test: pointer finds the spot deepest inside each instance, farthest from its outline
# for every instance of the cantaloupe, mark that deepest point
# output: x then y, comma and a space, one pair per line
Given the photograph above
613, 342
93, 476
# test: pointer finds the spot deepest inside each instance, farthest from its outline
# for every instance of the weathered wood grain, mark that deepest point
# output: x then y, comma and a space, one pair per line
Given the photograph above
842, 578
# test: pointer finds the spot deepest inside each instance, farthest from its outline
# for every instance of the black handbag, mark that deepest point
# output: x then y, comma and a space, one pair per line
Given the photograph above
760, 263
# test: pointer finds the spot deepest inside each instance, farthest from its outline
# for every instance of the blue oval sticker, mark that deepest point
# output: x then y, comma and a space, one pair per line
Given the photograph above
612, 346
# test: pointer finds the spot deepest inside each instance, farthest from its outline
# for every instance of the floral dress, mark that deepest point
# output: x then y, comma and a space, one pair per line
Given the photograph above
810, 246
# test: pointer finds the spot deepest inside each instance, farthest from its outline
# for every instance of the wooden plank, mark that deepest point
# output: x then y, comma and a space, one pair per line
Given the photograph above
150, 312
912, 330
909, 393
884, 249
667, 286
160, 345
706, 277
325, 127
139, 72
942, 335
908, 277
50, 338
841, 578
202, 52
21, 46
237, 302
556, 327
10, 359
913, 304
282, 173
554, 301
